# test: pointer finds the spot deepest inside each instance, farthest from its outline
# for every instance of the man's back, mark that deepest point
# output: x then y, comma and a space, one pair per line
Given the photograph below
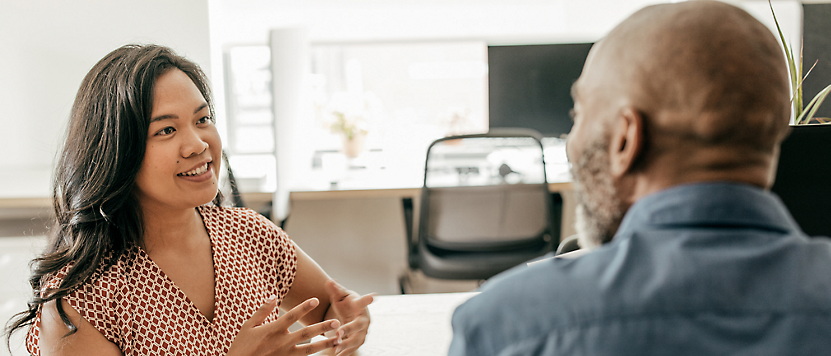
715, 268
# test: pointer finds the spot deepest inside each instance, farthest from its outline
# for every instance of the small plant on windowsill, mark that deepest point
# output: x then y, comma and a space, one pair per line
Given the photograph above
349, 115
803, 115
352, 131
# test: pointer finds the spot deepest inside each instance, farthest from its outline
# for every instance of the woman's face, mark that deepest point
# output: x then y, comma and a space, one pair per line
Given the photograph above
183, 154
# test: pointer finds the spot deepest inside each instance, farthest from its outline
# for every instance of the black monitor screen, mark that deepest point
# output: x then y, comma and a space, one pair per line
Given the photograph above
803, 175
530, 85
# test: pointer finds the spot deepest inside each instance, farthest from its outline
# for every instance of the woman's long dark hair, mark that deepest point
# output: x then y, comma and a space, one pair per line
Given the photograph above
97, 217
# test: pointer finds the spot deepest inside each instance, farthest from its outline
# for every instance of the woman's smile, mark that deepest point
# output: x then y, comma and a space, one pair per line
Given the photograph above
197, 172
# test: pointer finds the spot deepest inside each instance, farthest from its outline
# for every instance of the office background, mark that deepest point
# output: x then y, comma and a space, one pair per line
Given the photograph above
48, 46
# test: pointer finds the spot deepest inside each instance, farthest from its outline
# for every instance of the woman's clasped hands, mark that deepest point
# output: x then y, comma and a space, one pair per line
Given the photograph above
345, 327
256, 338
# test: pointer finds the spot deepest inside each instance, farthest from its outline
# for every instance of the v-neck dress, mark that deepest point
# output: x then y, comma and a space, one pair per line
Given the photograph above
137, 307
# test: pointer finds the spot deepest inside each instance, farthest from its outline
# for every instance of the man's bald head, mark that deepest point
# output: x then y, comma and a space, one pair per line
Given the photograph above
676, 94
704, 72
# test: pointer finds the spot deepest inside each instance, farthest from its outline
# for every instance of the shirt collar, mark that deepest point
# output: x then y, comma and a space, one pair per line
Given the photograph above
719, 203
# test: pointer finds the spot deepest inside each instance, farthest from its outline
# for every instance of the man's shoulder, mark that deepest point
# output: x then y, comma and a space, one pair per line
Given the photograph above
649, 277
527, 302
534, 284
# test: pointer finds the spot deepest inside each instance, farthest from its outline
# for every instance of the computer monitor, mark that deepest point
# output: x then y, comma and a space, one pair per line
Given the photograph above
803, 177
530, 85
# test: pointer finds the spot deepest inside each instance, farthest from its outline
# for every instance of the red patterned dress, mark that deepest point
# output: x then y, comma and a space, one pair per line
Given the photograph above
137, 307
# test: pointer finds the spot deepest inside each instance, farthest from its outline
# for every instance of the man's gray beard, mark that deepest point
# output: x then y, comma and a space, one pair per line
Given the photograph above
598, 206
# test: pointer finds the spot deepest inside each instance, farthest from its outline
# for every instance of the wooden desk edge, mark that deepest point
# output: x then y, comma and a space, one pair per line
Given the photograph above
385, 193
44, 202
25, 203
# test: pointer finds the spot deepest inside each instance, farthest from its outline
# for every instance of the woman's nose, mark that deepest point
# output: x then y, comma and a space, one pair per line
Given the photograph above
194, 145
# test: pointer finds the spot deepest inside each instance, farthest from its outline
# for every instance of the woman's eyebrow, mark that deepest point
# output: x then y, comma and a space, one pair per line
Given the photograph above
204, 105
163, 117
174, 116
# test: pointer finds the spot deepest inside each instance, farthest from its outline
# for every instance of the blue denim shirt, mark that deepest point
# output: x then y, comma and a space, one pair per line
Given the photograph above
701, 269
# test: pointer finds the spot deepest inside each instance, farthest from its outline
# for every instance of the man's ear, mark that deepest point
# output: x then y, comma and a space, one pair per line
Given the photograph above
627, 141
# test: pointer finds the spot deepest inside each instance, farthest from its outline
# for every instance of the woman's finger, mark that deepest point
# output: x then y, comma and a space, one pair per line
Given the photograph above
292, 316
311, 331
346, 348
356, 327
353, 335
352, 305
263, 312
365, 301
317, 346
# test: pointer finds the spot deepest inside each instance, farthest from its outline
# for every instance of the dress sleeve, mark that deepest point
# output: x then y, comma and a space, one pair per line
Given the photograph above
94, 301
284, 253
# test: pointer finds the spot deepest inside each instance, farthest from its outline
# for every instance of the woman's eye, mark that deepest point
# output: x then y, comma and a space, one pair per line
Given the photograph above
205, 120
166, 131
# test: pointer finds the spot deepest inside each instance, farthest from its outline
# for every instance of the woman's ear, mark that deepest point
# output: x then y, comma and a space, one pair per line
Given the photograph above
626, 141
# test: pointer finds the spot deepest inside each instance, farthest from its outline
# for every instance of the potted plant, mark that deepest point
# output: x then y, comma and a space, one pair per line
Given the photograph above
349, 115
352, 132
803, 115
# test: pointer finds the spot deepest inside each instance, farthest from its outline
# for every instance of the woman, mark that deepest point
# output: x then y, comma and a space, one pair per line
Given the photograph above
140, 262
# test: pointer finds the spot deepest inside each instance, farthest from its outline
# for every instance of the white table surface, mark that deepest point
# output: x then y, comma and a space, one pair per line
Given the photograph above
412, 324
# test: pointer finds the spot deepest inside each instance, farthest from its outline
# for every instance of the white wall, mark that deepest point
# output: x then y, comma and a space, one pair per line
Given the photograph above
235, 22
48, 46
245, 22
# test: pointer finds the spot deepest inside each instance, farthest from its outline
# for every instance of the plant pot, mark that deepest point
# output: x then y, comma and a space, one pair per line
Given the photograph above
353, 147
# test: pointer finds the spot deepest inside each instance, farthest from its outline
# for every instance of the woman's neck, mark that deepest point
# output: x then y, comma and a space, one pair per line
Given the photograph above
172, 230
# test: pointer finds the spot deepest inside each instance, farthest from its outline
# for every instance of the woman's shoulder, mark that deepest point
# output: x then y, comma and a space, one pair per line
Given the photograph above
111, 269
100, 298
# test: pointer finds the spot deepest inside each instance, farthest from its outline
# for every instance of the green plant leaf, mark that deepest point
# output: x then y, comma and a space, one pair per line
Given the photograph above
796, 98
812, 107
803, 115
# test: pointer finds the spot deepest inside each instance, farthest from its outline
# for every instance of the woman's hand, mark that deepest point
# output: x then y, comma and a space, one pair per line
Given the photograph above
351, 309
256, 338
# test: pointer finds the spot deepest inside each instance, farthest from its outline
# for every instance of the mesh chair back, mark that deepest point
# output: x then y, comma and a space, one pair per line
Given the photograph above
486, 215
485, 193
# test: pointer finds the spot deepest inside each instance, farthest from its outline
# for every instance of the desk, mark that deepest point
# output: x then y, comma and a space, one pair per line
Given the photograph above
412, 324
386, 193
312, 202
28, 188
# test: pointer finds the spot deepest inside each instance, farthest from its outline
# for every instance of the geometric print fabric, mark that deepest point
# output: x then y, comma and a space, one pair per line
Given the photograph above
137, 307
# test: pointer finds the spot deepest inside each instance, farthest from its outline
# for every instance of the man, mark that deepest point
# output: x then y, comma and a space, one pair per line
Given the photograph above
679, 113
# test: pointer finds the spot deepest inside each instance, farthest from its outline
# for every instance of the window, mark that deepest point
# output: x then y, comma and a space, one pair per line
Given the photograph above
250, 136
401, 95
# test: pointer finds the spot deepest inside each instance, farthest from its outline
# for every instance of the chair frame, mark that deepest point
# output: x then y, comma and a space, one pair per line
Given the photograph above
486, 259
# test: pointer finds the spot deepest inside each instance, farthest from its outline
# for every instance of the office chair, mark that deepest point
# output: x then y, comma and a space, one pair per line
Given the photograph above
485, 207
803, 176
